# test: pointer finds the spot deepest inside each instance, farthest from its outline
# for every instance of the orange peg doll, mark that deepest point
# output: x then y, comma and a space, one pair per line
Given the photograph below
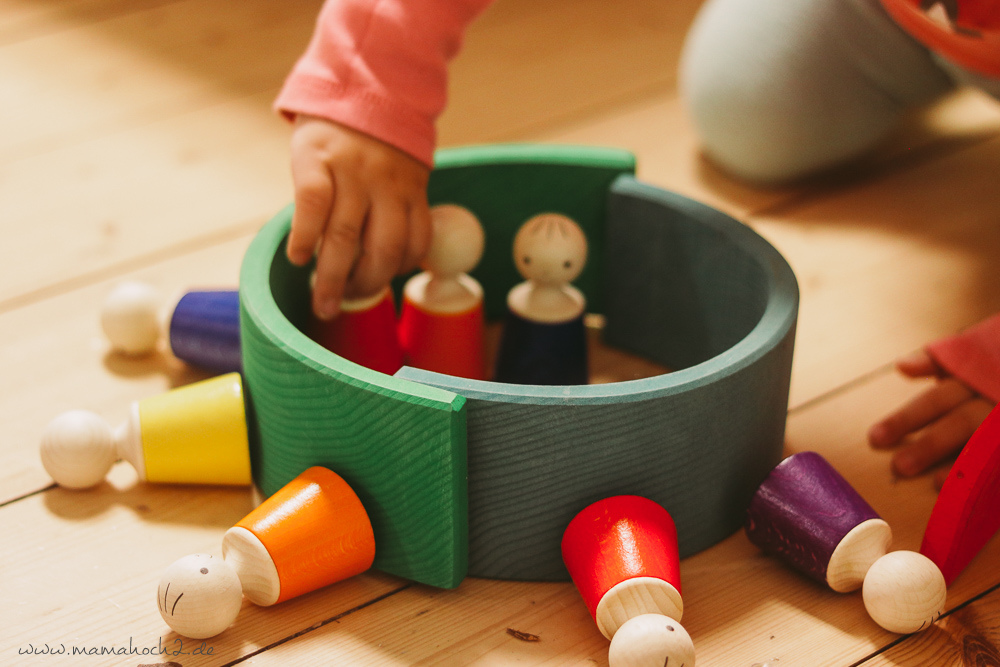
311, 533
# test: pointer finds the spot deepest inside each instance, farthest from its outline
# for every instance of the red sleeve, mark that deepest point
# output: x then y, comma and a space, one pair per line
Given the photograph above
380, 66
973, 357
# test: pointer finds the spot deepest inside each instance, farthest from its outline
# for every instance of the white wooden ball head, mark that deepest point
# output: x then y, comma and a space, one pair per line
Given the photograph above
78, 449
199, 596
651, 640
550, 249
457, 241
130, 318
904, 592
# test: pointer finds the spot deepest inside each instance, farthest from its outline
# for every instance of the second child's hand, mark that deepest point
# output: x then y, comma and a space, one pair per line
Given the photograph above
932, 427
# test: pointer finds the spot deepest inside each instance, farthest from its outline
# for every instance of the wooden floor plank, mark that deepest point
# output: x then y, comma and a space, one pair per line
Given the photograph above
969, 635
890, 265
146, 148
98, 78
139, 191
28, 19
88, 565
660, 132
529, 66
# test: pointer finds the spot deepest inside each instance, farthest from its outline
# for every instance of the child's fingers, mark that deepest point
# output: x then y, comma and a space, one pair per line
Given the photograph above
383, 245
941, 438
918, 413
918, 364
314, 192
338, 250
419, 236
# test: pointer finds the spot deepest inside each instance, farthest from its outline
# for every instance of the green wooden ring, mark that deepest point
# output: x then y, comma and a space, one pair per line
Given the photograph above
677, 281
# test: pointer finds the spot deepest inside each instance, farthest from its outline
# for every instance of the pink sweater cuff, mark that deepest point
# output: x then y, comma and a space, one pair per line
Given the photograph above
380, 66
973, 356
362, 110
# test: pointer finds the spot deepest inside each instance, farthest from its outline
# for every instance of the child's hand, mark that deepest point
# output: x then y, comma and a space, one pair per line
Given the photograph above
934, 425
360, 206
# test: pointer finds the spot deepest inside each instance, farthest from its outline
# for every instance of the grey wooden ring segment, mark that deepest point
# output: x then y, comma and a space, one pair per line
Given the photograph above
695, 290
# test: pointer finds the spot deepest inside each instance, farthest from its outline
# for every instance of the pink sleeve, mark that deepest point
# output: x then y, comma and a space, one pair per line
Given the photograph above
973, 357
380, 66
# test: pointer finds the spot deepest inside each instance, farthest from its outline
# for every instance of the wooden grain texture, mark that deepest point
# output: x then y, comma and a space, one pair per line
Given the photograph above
113, 205
967, 636
902, 261
172, 193
756, 621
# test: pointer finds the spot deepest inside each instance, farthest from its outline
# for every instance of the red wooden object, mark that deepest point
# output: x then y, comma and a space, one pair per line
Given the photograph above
967, 512
366, 336
450, 343
617, 539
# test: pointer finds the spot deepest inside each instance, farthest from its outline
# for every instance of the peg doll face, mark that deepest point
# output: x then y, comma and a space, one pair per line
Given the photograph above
199, 596
550, 249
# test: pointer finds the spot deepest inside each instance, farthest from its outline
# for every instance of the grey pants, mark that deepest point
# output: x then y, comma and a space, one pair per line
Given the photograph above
782, 88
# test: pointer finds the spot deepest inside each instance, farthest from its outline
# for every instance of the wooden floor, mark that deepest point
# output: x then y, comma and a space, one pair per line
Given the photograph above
138, 143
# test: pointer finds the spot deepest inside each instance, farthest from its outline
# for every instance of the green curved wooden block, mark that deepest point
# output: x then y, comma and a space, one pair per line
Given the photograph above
678, 282
400, 446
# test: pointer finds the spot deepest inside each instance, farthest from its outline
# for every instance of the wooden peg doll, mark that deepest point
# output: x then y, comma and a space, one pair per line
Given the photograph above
806, 514
809, 516
199, 596
364, 331
130, 318
312, 533
203, 329
196, 434
544, 340
441, 323
621, 553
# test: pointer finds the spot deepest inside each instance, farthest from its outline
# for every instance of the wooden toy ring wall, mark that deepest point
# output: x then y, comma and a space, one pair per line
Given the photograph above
481, 478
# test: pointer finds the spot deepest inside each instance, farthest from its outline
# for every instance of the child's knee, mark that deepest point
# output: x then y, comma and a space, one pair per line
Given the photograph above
757, 133
779, 90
